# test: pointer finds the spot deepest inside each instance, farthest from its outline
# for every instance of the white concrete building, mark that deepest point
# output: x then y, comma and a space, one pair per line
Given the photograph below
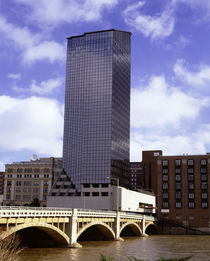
106, 198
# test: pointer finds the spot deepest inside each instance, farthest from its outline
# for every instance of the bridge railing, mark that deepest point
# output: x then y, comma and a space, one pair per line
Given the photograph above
19, 211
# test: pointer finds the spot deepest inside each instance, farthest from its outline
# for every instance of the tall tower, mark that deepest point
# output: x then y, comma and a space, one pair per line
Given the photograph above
97, 108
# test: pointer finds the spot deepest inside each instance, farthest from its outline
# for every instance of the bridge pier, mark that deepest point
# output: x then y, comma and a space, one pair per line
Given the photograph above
117, 227
73, 230
143, 225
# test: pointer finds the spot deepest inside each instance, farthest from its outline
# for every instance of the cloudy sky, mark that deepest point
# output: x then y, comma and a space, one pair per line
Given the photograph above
170, 101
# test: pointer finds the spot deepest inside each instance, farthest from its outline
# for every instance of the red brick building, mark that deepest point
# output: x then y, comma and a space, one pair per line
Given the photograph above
182, 185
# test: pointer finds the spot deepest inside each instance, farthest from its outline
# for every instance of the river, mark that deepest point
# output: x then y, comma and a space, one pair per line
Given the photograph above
147, 248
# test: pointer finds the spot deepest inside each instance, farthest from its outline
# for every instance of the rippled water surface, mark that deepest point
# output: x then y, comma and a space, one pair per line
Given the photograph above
149, 248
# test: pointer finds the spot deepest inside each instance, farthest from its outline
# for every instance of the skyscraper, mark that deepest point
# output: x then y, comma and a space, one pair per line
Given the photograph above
97, 108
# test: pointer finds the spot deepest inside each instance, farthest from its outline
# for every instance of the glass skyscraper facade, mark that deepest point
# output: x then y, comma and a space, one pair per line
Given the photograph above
97, 108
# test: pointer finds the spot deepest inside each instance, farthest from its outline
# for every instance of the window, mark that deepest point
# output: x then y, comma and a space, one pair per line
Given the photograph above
165, 204
190, 162
45, 190
178, 204
190, 171
26, 190
178, 177
27, 183
104, 194
10, 170
19, 170
178, 195
204, 177
191, 195
95, 194
95, 185
190, 177
191, 204
18, 189
8, 197
165, 177
46, 176
204, 185
18, 183
178, 185
165, 162
204, 205
165, 185
165, 195
26, 197
9, 183
203, 161
178, 162
46, 183
18, 197
36, 183
191, 185
35, 190
204, 195
203, 170
165, 171
177, 171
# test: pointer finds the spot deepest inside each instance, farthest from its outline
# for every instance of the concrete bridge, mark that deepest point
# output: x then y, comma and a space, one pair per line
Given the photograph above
65, 226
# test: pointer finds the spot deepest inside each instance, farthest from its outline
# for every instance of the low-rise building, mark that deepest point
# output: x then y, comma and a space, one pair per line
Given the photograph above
181, 185
29, 182
99, 196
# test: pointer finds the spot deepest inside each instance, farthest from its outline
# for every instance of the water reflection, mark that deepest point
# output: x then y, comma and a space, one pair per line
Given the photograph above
149, 248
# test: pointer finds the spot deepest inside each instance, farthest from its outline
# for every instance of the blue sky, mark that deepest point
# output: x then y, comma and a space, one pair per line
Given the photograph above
170, 72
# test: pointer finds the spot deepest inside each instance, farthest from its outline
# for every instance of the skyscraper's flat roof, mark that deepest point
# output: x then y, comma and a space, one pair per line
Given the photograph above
97, 32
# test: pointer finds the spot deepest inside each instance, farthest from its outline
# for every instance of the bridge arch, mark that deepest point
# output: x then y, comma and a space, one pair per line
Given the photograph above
58, 235
151, 228
134, 227
103, 227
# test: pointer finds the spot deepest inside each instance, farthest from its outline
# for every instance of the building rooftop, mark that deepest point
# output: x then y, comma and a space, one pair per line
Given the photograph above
82, 35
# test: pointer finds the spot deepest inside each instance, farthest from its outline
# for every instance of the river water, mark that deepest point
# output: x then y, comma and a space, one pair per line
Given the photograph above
146, 248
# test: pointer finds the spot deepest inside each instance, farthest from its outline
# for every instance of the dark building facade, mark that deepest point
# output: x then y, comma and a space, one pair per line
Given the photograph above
97, 108
2, 182
137, 178
181, 185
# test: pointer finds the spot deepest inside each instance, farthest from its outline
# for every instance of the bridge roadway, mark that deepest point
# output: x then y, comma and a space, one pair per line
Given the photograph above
65, 225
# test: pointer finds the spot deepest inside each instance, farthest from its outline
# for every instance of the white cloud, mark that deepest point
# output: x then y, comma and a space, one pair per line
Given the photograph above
33, 123
49, 50
14, 76
31, 44
159, 105
195, 3
42, 88
66, 11
193, 143
199, 78
2, 166
159, 26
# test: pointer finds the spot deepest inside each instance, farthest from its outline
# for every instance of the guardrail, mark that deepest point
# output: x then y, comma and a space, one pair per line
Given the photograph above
18, 211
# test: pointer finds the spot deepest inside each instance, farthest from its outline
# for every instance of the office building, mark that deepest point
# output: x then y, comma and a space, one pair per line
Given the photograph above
181, 185
97, 108
29, 180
